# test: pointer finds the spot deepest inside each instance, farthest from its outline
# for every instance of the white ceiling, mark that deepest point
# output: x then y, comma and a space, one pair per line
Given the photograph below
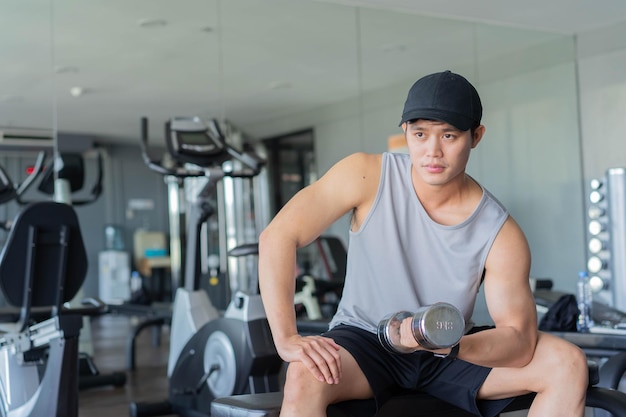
561, 16
246, 60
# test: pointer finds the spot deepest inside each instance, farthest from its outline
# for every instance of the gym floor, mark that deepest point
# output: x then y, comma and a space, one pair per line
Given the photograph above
147, 383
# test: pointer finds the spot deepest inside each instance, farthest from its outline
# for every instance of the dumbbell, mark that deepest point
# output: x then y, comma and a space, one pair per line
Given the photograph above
436, 326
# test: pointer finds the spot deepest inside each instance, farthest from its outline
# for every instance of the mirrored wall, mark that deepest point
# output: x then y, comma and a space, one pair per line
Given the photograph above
271, 67
27, 107
257, 61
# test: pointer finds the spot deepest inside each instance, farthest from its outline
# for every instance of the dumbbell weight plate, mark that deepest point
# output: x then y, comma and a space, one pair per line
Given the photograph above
438, 326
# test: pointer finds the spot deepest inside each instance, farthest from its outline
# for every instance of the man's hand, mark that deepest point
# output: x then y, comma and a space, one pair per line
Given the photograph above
407, 339
319, 354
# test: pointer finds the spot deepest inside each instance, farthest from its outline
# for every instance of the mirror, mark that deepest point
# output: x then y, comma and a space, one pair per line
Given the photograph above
277, 67
26, 102
26, 96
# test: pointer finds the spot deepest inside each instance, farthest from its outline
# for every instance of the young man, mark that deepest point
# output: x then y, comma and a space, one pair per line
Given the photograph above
422, 231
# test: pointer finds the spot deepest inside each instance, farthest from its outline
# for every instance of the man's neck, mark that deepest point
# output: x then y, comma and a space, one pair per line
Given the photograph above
451, 203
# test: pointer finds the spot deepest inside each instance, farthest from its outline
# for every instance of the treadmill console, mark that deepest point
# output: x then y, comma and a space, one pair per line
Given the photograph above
189, 139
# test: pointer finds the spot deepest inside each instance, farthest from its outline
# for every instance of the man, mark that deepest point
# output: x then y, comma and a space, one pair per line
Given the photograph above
422, 231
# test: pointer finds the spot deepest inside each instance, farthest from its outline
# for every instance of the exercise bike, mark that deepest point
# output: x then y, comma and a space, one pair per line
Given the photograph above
210, 355
68, 170
42, 266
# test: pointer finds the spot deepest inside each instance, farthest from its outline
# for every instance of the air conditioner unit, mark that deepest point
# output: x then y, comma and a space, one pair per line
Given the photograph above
18, 138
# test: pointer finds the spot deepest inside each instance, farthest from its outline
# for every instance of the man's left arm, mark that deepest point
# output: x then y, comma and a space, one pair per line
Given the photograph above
510, 303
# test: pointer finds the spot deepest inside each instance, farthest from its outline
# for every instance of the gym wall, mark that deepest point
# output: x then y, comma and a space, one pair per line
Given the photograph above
552, 125
553, 122
529, 157
554, 115
125, 178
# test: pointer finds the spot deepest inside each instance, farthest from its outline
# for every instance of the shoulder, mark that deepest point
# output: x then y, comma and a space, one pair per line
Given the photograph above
352, 183
510, 244
357, 167
490, 197
510, 240
363, 160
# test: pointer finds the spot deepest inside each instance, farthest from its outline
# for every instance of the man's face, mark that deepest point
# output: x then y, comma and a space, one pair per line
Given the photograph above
439, 151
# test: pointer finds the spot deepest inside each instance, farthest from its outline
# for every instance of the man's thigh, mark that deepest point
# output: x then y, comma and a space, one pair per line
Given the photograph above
353, 383
503, 382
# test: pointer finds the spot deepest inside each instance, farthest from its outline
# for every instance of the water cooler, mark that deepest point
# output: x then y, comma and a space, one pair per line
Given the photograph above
114, 268
114, 276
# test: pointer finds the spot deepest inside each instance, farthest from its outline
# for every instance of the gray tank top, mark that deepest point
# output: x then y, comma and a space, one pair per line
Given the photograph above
400, 259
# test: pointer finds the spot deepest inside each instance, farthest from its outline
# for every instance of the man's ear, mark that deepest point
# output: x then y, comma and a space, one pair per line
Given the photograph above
478, 135
404, 127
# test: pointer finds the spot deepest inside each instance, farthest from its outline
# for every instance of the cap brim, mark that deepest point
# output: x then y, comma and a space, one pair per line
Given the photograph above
459, 121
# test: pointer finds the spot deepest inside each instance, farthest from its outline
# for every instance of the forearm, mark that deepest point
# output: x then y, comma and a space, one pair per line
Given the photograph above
280, 315
277, 285
499, 347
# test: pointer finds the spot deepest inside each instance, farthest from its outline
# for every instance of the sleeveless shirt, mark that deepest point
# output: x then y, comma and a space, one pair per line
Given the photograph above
400, 259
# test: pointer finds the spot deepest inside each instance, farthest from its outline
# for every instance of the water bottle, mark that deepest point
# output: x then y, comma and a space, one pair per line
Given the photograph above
135, 282
585, 301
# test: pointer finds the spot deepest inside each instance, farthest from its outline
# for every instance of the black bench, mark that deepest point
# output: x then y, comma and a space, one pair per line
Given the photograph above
417, 404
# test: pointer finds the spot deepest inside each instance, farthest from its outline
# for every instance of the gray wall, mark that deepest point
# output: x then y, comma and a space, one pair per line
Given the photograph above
601, 63
126, 178
529, 158
554, 118
551, 127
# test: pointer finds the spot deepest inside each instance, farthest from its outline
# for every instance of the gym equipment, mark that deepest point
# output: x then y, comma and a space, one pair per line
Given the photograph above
68, 169
319, 295
42, 267
10, 191
437, 326
210, 355
418, 404
67, 177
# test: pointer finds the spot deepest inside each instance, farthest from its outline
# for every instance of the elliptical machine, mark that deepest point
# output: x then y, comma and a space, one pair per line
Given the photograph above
210, 355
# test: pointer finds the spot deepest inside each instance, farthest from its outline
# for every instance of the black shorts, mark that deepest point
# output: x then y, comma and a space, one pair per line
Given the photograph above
454, 381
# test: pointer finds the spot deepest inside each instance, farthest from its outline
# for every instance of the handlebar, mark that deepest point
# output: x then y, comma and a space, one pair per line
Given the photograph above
96, 190
250, 161
37, 169
95, 193
11, 191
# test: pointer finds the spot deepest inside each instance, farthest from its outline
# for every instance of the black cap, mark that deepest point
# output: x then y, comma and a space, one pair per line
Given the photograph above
444, 96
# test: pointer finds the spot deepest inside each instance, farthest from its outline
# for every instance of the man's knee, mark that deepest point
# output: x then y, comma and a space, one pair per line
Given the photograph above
576, 364
563, 362
300, 384
297, 375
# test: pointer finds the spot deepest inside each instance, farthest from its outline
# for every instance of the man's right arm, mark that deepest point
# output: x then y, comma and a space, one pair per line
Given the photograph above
345, 187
